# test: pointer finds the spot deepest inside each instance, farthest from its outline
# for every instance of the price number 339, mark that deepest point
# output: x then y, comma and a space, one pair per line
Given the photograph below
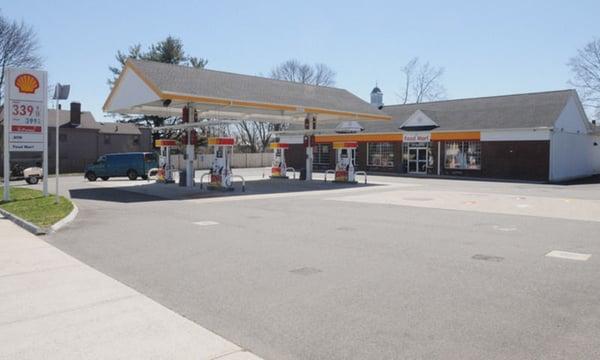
25, 110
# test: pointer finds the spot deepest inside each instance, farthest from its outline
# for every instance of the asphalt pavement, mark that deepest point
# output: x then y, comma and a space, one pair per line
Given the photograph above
409, 269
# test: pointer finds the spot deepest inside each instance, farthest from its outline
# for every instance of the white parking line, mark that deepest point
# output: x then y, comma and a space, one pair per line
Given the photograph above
206, 223
568, 255
504, 228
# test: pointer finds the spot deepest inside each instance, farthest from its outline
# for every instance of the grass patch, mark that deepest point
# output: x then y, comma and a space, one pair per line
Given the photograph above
31, 205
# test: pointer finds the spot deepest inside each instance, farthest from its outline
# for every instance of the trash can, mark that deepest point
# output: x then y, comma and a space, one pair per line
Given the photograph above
302, 174
182, 178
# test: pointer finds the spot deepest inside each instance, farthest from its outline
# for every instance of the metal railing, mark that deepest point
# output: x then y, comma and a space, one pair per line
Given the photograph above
363, 173
329, 172
232, 176
243, 181
202, 178
292, 170
153, 170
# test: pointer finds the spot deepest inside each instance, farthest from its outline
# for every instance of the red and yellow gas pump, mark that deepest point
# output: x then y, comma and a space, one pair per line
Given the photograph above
279, 166
220, 171
165, 168
345, 161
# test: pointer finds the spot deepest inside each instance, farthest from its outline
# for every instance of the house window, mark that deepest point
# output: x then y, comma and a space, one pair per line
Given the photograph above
321, 154
464, 155
380, 154
136, 140
62, 137
106, 139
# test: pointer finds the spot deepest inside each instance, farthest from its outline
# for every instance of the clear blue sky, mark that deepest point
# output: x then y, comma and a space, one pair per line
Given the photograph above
486, 48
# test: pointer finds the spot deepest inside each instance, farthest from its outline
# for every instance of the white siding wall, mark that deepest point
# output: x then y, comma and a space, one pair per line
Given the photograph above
572, 150
596, 154
291, 139
571, 156
240, 160
515, 135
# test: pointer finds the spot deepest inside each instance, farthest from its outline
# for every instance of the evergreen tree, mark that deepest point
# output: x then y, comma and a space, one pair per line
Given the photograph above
170, 51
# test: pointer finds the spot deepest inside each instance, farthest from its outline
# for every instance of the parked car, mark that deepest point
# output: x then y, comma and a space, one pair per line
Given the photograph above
33, 175
132, 165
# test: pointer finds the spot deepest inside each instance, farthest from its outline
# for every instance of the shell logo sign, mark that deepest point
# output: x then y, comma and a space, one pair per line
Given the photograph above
27, 83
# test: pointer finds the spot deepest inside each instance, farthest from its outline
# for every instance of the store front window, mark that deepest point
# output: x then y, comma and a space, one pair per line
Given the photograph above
380, 154
463, 155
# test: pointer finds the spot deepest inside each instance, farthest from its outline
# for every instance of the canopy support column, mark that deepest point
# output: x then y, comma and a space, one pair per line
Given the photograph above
189, 150
309, 144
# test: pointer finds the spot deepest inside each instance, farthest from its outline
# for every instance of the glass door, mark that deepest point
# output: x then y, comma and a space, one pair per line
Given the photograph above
412, 160
422, 160
417, 160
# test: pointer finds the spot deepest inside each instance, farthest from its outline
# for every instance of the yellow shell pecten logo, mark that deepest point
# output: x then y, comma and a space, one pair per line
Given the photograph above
27, 83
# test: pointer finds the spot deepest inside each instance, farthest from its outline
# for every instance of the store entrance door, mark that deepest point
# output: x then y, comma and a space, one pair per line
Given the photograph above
417, 160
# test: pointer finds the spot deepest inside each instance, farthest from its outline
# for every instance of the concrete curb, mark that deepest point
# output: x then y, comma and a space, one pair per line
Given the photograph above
34, 229
66, 220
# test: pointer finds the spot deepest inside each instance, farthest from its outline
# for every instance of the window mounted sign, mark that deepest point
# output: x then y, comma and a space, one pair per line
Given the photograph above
416, 137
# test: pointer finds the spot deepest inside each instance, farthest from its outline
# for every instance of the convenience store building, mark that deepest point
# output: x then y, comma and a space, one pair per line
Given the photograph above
542, 136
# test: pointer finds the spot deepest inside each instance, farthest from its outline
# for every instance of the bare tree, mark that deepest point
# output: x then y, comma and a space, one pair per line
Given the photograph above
586, 76
255, 136
323, 75
408, 73
421, 82
295, 71
18, 47
247, 135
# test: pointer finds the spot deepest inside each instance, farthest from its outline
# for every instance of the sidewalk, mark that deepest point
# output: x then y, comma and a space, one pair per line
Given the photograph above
54, 307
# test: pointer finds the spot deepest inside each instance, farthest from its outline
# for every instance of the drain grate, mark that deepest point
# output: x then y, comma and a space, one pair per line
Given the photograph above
305, 271
487, 257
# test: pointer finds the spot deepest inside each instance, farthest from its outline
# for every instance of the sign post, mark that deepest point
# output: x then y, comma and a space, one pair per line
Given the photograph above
26, 118
61, 92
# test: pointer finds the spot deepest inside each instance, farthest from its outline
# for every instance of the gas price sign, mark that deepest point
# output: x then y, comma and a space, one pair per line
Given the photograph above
26, 116
26, 128
26, 95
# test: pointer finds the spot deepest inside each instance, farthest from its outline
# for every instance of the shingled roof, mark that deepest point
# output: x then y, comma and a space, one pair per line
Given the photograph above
88, 122
519, 111
181, 83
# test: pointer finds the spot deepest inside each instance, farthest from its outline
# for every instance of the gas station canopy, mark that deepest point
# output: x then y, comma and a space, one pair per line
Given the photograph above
153, 88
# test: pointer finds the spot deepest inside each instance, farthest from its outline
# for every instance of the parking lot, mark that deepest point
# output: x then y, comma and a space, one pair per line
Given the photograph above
404, 268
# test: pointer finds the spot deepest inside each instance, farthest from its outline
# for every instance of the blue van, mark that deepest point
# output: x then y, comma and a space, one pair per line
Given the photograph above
131, 164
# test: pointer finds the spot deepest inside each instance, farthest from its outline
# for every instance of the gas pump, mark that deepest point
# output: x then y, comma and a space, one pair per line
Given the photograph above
278, 166
165, 168
345, 161
220, 171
